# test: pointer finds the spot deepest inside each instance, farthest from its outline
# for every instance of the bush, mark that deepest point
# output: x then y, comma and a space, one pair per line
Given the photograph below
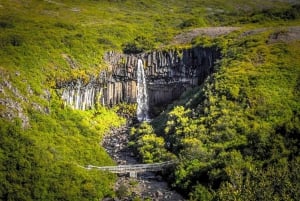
106, 42
5, 24
65, 26
150, 147
43, 162
14, 40
193, 22
200, 193
138, 45
122, 191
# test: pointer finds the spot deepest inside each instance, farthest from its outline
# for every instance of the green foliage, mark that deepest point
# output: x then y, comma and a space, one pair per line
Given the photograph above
138, 45
45, 162
106, 42
240, 125
277, 181
192, 22
40, 33
13, 40
6, 24
265, 14
122, 191
125, 110
65, 26
200, 193
149, 146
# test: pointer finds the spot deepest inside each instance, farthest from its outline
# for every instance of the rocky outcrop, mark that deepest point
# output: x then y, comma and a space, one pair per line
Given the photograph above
105, 90
12, 108
169, 73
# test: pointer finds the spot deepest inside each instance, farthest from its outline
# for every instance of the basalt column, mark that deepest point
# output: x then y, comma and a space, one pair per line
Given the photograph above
168, 74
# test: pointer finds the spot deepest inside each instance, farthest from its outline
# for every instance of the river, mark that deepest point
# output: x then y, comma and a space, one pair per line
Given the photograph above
147, 185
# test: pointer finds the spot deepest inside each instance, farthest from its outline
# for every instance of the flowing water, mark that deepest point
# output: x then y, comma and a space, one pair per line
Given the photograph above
142, 95
148, 184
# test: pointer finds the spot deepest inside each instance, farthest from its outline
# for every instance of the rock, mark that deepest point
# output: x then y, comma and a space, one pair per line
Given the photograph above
159, 193
146, 185
159, 178
107, 199
12, 110
169, 73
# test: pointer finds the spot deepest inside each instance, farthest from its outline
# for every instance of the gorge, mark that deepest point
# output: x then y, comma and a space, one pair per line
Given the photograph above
168, 74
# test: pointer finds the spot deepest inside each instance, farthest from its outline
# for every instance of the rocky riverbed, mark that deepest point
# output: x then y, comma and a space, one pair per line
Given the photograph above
147, 186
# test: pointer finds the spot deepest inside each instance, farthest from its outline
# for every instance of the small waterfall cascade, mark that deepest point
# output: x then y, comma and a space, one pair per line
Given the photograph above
142, 96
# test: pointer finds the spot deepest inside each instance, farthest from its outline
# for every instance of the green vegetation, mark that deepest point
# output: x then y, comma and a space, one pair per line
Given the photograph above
237, 135
125, 110
148, 145
45, 162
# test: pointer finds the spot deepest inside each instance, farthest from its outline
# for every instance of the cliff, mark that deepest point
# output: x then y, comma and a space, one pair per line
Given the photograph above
169, 73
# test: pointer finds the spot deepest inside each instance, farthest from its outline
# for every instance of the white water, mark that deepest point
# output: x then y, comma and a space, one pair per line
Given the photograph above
142, 96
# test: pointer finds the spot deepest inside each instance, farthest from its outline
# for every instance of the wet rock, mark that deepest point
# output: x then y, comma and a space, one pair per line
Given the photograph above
159, 178
146, 185
159, 194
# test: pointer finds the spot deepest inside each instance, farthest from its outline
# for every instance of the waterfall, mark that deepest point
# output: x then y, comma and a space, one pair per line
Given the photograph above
142, 96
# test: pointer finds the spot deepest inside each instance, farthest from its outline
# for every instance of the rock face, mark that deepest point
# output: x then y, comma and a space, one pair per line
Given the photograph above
169, 73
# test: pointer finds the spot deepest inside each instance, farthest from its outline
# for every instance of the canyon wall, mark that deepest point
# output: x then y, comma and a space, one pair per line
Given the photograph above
169, 73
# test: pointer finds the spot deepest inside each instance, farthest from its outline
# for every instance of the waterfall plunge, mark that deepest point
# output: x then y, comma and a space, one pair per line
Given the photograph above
142, 96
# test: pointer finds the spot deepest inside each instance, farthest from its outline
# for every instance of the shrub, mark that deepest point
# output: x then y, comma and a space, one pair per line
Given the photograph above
65, 26
193, 22
106, 42
138, 45
5, 24
13, 39
122, 191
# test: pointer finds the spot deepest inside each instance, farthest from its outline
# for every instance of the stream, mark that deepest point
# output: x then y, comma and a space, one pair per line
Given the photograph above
148, 185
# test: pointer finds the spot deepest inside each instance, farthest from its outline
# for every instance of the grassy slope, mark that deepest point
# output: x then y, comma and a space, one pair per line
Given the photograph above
37, 36
237, 135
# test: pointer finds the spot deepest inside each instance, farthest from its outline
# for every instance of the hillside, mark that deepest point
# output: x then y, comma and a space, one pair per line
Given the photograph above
236, 135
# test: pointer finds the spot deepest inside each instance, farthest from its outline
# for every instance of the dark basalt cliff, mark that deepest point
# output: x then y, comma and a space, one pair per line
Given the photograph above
169, 73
